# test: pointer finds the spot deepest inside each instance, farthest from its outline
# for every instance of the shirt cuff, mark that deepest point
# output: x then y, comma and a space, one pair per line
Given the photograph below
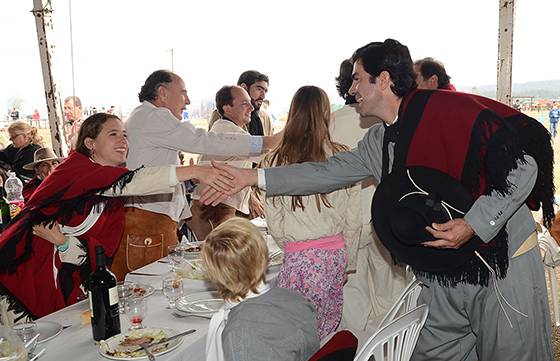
173, 180
261, 179
256, 145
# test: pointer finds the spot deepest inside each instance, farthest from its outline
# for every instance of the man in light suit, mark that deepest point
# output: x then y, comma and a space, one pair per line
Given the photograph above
156, 136
469, 319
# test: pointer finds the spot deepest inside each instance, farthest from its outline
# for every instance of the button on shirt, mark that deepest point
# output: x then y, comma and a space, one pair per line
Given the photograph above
155, 137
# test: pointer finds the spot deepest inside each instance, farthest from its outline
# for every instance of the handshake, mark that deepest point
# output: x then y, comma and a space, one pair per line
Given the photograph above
222, 181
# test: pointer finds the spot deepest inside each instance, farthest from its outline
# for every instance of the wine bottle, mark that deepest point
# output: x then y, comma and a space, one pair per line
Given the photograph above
103, 299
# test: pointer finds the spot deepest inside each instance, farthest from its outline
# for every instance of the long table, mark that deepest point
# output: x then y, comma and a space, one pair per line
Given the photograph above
76, 342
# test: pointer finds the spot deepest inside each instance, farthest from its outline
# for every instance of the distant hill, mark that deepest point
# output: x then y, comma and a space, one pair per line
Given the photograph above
545, 89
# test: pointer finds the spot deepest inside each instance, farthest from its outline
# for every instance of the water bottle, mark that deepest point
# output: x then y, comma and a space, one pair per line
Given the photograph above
13, 188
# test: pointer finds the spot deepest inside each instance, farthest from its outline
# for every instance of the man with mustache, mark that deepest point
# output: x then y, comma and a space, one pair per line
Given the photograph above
501, 157
256, 84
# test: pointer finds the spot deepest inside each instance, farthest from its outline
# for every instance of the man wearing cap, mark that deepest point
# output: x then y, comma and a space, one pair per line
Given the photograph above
44, 162
504, 160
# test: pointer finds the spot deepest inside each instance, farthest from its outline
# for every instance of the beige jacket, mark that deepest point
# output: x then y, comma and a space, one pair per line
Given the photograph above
285, 225
240, 200
265, 119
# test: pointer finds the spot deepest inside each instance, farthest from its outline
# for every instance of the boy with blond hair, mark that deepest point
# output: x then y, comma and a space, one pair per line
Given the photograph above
257, 322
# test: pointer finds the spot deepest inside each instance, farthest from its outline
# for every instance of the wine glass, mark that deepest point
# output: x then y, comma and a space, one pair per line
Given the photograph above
174, 255
172, 286
124, 288
26, 332
136, 309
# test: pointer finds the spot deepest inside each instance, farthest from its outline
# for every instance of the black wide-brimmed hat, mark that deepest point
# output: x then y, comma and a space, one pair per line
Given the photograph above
410, 199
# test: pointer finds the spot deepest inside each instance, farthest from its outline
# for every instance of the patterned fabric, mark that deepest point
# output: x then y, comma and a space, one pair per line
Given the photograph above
318, 275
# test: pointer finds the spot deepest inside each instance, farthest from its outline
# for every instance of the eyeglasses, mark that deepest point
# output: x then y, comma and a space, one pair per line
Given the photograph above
14, 137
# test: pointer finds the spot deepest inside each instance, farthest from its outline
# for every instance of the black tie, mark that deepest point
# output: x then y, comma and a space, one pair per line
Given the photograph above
255, 126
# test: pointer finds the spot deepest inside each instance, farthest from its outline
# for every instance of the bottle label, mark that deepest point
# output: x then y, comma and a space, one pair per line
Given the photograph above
113, 296
90, 303
15, 208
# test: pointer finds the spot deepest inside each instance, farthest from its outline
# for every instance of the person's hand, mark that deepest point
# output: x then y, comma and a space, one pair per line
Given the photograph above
218, 179
241, 179
256, 208
452, 234
50, 233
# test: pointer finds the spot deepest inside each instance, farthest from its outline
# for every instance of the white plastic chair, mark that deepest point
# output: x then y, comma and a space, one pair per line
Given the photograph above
406, 302
396, 340
551, 259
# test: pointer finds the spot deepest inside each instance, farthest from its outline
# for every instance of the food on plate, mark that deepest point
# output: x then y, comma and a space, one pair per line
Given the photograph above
193, 270
139, 291
129, 344
136, 341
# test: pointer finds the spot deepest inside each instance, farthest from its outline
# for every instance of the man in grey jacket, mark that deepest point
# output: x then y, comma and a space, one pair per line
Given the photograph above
467, 320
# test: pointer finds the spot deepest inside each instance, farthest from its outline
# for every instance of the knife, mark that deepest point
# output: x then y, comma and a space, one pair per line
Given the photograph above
144, 274
167, 339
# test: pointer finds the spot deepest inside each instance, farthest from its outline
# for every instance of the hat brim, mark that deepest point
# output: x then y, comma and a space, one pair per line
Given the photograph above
31, 166
419, 257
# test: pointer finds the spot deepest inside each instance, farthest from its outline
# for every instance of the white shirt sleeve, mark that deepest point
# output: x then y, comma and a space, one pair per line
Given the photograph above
261, 179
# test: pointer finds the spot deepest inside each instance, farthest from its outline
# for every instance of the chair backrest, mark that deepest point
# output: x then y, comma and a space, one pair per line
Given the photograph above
548, 245
341, 347
406, 302
396, 340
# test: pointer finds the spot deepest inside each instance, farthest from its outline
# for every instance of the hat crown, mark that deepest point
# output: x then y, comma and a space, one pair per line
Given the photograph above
42, 154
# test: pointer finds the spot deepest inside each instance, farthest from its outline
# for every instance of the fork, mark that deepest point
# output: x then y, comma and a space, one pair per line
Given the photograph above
150, 355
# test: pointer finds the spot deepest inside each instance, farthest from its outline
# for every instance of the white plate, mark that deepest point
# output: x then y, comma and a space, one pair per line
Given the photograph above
48, 330
205, 303
113, 343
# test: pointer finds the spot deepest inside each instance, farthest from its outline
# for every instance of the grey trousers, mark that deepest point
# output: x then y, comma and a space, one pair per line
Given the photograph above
466, 322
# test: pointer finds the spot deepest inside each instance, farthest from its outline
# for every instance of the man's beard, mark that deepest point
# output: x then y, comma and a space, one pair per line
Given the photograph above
255, 105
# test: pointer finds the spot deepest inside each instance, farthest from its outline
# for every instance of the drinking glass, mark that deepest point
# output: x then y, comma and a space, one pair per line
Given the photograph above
172, 286
11, 347
26, 331
136, 309
174, 255
124, 289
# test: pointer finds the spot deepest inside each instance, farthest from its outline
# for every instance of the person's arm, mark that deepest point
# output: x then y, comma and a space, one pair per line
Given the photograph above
340, 170
156, 180
489, 214
168, 132
70, 249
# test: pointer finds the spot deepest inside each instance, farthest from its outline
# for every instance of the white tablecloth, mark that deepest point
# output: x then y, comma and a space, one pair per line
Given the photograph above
76, 342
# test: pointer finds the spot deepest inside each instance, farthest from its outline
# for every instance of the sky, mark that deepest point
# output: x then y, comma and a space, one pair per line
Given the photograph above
118, 43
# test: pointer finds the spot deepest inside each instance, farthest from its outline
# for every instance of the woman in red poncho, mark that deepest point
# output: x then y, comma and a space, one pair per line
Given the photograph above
46, 253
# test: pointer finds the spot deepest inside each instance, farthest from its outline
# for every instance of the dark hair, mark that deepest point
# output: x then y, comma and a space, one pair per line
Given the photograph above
75, 100
155, 80
90, 128
429, 67
392, 57
224, 96
344, 81
250, 77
